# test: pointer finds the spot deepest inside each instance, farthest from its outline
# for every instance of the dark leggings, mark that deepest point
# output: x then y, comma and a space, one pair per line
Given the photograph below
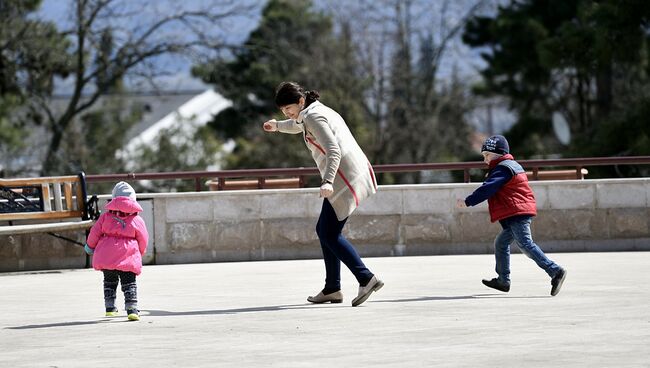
129, 288
336, 249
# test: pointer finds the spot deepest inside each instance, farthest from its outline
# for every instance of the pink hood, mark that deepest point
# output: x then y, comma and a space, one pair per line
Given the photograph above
124, 204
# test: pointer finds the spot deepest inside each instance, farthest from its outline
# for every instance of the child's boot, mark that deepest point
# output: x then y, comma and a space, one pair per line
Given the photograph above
110, 289
133, 314
131, 301
111, 312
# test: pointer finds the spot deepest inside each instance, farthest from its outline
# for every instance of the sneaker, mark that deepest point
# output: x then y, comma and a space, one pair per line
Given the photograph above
496, 284
133, 314
557, 281
364, 291
111, 312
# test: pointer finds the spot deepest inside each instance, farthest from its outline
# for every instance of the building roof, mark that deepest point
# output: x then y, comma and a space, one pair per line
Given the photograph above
168, 111
161, 110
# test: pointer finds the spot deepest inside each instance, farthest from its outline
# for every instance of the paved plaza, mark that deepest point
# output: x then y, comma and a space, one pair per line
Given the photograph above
433, 312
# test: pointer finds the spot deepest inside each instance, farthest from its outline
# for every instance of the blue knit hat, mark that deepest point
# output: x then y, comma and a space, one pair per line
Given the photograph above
496, 144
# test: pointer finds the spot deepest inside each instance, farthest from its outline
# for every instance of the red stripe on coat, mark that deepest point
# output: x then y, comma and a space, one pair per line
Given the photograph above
354, 194
372, 175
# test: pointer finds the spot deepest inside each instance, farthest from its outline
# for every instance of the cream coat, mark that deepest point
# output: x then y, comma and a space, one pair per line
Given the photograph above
337, 155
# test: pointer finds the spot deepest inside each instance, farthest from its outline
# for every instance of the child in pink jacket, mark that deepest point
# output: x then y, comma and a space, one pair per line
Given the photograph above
117, 241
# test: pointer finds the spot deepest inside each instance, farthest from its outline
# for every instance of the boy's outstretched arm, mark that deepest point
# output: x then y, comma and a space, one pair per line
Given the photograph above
497, 178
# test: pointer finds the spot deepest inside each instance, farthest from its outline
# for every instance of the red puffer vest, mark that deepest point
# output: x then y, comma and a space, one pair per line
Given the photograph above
515, 197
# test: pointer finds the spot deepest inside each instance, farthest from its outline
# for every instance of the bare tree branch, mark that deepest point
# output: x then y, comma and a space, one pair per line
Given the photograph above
134, 48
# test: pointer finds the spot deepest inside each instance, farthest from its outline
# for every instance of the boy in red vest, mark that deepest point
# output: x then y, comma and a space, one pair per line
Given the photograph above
512, 203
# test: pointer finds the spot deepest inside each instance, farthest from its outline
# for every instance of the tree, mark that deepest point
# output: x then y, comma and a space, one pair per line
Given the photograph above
110, 41
292, 42
102, 132
585, 59
32, 53
417, 114
177, 149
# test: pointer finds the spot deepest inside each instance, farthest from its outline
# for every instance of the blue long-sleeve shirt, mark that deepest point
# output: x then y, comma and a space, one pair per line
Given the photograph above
497, 178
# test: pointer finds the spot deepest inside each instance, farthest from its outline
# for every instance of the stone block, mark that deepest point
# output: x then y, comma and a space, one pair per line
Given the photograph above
621, 195
289, 239
569, 225
160, 244
294, 232
240, 205
572, 196
473, 227
189, 235
10, 246
387, 201
243, 236
372, 229
627, 222
421, 201
289, 205
185, 209
417, 229
541, 194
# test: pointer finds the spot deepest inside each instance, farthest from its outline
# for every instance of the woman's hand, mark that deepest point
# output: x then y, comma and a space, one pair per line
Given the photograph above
326, 190
460, 203
271, 126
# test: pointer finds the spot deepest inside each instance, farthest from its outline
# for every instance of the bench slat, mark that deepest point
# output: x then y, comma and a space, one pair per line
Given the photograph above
39, 215
67, 188
45, 228
45, 190
58, 202
81, 200
41, 180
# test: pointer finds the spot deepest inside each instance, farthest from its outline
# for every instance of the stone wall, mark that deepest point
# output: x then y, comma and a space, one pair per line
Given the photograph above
577, 215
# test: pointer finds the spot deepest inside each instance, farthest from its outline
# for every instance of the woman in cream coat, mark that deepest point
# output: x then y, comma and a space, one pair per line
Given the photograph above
347, 179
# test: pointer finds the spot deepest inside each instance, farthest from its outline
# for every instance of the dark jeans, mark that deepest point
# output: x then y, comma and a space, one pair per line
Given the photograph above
517, 229
129, 287
337, 249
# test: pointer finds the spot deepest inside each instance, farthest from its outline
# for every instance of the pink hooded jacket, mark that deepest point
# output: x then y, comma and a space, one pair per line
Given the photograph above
119, 241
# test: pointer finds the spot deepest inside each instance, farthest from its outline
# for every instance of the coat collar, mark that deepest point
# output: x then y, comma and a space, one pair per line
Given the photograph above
494, 163
306, 110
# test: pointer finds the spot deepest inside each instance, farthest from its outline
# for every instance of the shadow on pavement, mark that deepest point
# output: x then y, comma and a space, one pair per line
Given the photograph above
459, 297
67, 324
271, 308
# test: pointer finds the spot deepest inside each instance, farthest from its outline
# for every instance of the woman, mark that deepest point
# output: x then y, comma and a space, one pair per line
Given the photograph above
347, 179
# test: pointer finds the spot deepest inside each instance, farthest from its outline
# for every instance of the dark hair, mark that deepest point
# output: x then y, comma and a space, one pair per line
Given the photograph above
289, 93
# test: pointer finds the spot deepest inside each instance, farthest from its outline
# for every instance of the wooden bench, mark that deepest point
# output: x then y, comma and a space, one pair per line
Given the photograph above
557, 174
261, 183
46, 205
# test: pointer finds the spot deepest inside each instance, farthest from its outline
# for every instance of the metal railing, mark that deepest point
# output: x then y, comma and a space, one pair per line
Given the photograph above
302, 172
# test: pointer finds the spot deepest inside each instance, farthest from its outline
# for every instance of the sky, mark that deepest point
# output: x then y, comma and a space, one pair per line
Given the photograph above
458, 57
177, 68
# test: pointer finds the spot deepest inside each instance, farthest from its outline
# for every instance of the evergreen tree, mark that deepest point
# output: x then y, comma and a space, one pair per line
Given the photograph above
32, 53
293, 42
584, 59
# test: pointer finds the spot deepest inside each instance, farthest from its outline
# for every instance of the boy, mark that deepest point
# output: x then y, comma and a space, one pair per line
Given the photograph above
512, 203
